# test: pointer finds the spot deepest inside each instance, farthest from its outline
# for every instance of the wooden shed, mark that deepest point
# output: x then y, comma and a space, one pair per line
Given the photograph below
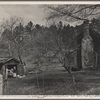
7, 64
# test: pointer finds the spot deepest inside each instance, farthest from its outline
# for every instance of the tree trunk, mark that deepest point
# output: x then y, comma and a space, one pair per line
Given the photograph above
20, 59
9, 49
19, 56
68, 67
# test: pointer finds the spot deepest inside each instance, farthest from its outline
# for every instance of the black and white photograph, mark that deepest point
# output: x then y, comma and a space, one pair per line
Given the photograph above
50, 49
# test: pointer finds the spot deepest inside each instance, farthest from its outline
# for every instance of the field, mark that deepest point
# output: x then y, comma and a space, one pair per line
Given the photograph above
55, 83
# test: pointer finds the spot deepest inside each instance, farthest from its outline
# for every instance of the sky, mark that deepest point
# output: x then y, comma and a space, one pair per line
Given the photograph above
32, 13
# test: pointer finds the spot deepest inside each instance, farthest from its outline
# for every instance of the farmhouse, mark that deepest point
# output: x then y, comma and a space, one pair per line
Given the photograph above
88, 54
8, 65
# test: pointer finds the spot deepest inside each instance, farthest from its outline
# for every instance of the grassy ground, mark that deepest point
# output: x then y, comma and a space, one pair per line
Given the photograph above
56, 83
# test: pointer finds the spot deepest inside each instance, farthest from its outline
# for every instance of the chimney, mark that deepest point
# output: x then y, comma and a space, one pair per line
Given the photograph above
86, 29
87, 48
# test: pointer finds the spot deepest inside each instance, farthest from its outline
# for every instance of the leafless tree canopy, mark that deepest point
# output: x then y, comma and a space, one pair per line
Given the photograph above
72, 12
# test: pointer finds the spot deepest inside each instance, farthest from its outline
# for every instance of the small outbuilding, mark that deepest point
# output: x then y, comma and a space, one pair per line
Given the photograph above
10, 66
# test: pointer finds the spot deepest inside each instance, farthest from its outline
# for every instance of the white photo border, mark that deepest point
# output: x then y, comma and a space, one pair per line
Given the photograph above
58, 97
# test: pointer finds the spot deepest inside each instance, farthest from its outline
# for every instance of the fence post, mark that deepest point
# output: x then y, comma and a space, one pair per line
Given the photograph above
1, 84
4, 80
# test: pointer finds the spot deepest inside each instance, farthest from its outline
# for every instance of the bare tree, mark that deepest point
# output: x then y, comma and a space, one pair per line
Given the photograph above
64, 38
13, 32
72, 12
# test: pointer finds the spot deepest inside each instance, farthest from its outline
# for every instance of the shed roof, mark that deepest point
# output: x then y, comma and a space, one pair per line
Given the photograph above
5, 60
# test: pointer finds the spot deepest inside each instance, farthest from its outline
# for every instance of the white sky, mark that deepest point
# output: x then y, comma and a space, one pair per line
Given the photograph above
32, 13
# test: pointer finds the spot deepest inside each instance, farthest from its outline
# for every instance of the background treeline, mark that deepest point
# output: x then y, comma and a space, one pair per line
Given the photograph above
37, 45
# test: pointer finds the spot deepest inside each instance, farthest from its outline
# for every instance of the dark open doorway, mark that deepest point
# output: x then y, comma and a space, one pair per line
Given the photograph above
12, 70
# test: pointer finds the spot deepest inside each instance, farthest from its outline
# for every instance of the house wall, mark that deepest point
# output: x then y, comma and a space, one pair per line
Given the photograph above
79, 60
97, 60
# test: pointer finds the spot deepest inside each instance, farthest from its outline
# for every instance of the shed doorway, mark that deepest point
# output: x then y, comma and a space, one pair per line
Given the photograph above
11, 70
